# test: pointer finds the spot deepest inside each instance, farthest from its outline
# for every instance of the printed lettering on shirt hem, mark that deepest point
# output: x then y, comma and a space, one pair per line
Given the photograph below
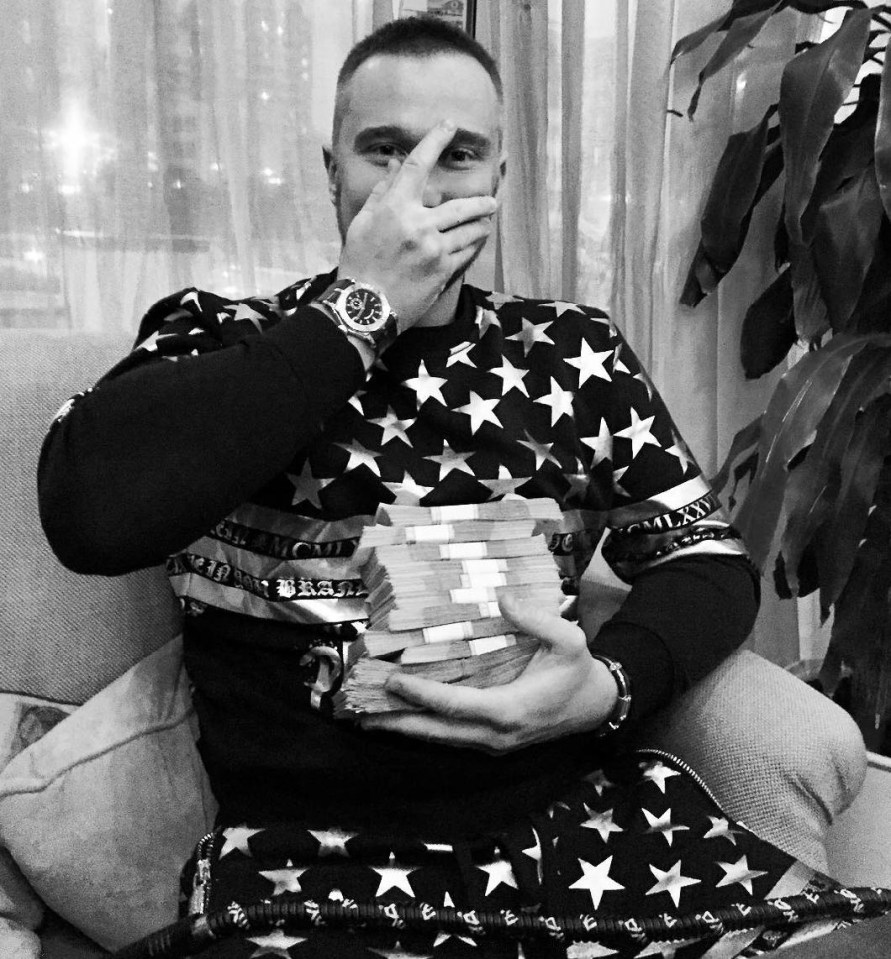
676, 519
278, 589
278, 545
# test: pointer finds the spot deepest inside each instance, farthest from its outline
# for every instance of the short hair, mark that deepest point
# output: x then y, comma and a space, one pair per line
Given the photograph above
424, 35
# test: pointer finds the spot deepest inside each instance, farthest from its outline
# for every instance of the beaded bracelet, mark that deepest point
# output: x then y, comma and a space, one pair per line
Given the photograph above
623, 705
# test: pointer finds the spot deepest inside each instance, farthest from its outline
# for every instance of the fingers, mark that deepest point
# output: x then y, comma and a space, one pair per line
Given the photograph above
467, 237
453, 213
556, 634
417, 165
384, 184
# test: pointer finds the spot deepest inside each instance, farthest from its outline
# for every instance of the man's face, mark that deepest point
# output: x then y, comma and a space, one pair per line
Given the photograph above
390, 103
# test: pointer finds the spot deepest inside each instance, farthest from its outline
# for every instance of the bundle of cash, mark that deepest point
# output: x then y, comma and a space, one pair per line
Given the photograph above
435, 576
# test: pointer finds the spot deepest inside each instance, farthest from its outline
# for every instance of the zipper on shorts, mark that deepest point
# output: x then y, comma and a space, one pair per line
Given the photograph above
201, 881
679, 764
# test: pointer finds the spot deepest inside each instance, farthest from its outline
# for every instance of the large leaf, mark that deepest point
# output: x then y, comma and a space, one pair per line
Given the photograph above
814, 485
873, 311
883, 135
844, 244
768, 328
818, 6
736, 184
798, 403
811, 313
849, 149
752, 161
739, 35
860, 468
814, 86
740, 8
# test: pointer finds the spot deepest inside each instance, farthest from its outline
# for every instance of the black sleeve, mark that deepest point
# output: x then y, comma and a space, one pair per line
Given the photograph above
679, 621
211, 406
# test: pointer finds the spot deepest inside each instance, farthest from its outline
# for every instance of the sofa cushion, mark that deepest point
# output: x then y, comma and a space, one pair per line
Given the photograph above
102, 811
64, 636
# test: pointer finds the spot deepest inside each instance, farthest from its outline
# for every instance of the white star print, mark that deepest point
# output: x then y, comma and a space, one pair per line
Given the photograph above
721, 828
596, 880
393, 427
617, 484
531, 334
511, 376
193, 296
408, 492
657, 772
307, 486
643, 378
332, 842
739, 872
356, 402
245, 312
589, 364
461, 354
360, 456
618, 365
599, 781
499, 299
578, 486
480, 411
450, 460
486, 319
679, 450
588, 950
500, 872
276, 943
237, 838
534, 853
150, 343
394, 877
560, 401
663, 825
560, 307
601, 444
504, 484
671, 882
639, 433
286, 880
542, 451
601, 821
426, 386
667, 950
397, 952
442, 936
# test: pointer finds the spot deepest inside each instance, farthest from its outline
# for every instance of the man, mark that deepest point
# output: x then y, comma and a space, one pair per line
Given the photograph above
251, 463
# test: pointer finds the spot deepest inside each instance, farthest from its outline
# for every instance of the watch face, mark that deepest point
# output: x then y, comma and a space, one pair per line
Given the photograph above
364, 309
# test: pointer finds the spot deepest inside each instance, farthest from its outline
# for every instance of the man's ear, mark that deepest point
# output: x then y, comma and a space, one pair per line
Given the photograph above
502, 172
331, 170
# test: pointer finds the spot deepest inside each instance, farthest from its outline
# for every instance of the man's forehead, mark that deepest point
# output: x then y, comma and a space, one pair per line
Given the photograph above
416, 91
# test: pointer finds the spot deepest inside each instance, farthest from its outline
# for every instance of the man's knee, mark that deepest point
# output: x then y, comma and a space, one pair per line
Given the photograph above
770, 747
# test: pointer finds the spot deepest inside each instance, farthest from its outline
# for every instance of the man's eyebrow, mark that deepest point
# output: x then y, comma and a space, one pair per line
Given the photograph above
409, 139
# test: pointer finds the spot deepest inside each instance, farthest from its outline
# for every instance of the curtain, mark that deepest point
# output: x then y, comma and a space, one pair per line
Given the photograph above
148, 145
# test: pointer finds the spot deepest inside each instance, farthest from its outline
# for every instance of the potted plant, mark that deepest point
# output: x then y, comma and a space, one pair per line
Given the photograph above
810, 479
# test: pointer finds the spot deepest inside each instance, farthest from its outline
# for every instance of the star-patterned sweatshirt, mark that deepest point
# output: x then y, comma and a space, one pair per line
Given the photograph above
242, 443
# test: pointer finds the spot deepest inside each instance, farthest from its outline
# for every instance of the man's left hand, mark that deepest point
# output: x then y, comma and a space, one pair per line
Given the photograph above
563, 690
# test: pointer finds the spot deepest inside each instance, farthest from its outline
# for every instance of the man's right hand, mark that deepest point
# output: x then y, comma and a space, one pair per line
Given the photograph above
408, 250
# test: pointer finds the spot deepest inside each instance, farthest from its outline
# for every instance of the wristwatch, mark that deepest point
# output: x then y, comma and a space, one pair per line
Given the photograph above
361, 311
620, 712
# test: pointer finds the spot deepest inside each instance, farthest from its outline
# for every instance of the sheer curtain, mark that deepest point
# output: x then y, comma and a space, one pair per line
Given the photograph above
147, 145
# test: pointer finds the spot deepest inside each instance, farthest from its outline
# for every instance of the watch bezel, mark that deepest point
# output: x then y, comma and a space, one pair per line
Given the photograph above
345, 288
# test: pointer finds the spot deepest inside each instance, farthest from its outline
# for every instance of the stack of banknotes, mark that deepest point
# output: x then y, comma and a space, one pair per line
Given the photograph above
435, 576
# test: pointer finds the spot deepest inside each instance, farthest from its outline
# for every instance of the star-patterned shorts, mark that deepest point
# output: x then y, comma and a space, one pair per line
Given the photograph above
642, 840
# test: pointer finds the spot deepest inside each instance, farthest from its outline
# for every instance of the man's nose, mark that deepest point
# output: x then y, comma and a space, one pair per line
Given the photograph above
434, 194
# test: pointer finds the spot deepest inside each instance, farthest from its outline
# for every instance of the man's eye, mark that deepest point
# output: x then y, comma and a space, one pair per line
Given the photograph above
385, 151
460, 157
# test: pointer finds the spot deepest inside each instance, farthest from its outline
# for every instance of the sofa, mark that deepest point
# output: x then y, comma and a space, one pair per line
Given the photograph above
102, 793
